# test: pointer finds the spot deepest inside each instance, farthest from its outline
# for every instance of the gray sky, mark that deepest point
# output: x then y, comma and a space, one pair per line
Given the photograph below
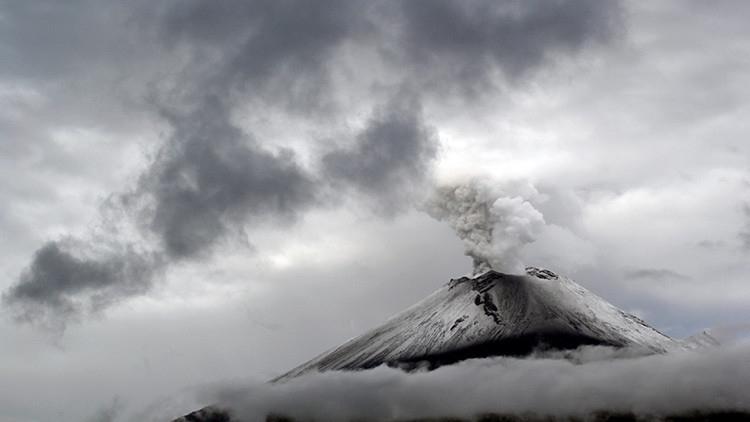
200, 191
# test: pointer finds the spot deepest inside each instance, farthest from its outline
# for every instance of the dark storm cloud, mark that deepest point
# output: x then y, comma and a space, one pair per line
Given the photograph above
195, 64
283, 48
389, 157
268, 32
211, 178
59, 285
279, 51
464, 42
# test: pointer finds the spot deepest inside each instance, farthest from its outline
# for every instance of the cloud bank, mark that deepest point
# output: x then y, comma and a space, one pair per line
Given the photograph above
716, 379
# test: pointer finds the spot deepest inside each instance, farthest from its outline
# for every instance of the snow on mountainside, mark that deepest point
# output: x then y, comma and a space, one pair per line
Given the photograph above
493, 314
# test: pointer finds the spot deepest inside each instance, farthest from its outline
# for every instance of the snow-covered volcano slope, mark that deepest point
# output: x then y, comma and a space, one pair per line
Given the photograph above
493, 314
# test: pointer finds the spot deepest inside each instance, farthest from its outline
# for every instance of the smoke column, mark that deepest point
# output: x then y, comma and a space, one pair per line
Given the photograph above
493, 220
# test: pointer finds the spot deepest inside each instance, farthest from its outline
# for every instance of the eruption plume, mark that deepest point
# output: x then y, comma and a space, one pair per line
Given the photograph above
493, 220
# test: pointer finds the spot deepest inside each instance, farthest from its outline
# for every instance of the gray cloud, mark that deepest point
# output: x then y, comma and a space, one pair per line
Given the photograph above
390, 157
744, 234
706, 380
210, 178
463, 43
655, 274
731, 333
279, 51
59, 285
107, 413
283, 49
49, 40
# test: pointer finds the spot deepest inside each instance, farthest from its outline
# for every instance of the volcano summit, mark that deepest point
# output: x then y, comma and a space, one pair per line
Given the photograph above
493, 314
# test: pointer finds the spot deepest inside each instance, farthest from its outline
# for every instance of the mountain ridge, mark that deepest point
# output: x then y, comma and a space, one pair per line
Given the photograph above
489, 315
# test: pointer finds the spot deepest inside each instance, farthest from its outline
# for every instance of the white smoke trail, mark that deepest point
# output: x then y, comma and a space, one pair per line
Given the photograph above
493, 220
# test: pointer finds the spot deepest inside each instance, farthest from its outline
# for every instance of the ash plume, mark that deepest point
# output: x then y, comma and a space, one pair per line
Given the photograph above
493, 221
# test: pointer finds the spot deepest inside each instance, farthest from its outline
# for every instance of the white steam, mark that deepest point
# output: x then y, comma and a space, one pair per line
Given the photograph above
493, 220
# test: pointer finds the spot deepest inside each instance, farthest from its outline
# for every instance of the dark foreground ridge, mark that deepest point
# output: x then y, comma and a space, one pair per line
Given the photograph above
216, 415
208, 414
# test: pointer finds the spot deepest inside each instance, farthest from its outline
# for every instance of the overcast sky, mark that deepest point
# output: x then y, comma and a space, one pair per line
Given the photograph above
198, 191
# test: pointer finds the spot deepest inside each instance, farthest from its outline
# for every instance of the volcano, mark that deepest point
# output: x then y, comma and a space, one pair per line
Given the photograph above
494, 314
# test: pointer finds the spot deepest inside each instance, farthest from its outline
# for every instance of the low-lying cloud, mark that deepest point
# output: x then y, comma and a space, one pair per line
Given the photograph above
715, 379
